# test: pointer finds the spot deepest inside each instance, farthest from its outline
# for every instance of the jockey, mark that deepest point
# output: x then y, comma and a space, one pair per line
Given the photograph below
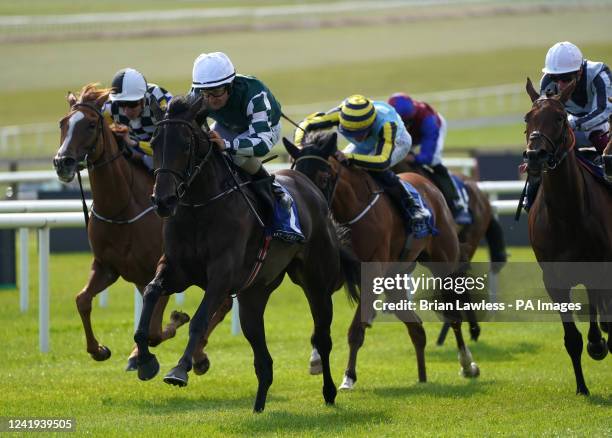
378, 141
588, 107
129, 107
428, 129
247, 119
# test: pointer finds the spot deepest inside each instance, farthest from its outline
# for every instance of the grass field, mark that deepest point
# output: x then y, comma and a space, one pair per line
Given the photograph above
526, 385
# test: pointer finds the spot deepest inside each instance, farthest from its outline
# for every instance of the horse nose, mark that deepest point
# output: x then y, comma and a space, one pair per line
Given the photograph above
64, 162
533, 155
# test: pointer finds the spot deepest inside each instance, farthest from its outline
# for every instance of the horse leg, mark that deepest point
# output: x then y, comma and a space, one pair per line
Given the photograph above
99, 279
197, 327
596, 347
200, 360
321, 308
252, 306
571, 336
356, 336
158, 335
469, 368
147, 363
419, 340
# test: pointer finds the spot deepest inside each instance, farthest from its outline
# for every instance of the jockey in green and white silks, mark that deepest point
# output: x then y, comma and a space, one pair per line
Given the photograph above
246, 118
378, 140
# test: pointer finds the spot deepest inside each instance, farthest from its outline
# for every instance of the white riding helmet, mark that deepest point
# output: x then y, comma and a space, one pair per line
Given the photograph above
563, 57
212, 70
128, 85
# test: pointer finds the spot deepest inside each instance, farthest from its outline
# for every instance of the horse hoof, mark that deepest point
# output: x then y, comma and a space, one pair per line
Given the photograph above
179, 317
329, 394
102, 354
598, 350
316, 366
470, 372
583, 391
347, 383
148, 367
475, 333
201, 367
177, 376
132, 364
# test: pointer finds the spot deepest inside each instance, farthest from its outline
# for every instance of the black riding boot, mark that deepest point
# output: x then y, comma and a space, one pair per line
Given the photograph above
444, 182
262, 186
413, 213
272, 188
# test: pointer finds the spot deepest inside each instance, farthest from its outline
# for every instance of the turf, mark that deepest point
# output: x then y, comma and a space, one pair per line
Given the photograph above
526, 387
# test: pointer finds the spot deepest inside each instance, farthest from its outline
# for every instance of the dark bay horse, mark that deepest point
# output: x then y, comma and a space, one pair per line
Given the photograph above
124, 233
569, 221
213, 240
484, 226
378, 235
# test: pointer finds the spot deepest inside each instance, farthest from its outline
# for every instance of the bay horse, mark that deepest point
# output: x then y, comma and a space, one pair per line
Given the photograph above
378, 235
569, 221
484, 225
213, 240
124, 233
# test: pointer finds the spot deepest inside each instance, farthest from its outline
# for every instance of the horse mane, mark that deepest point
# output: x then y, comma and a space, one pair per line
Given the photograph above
179, 105
317, 137
91, 92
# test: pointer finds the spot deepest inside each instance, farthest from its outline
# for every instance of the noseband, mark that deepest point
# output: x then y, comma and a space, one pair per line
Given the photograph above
185, 178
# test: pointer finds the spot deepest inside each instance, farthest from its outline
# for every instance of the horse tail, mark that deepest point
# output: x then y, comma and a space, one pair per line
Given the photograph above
349, 263
497, 245
351, 269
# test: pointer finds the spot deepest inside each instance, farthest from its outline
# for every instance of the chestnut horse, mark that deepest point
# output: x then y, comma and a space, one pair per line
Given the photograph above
212, 239
569, 221
484, 225
124, 233
378, 235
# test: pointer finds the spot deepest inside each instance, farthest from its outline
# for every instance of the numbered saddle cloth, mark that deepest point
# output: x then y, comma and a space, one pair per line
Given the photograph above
465, 217
285, 223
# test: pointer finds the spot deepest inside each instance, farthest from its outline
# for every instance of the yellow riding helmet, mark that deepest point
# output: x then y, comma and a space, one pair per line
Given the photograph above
357, 114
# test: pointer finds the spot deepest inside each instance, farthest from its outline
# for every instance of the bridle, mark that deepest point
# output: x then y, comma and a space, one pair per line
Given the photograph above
183, 180
557, 153
91, 165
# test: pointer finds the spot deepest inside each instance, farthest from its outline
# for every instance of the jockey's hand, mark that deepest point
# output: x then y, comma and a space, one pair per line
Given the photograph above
339, 155
217, 140
410, 158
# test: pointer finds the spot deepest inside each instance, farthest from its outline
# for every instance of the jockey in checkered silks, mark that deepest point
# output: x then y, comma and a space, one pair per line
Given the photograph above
129, 110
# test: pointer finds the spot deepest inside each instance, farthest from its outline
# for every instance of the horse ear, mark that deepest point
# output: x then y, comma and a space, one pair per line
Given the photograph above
195, 107
331, 144
533, 94
567, 91
156, 110
71, 99
292, 149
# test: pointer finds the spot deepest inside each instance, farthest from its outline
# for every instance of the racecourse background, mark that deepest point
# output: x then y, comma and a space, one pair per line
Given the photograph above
526, 386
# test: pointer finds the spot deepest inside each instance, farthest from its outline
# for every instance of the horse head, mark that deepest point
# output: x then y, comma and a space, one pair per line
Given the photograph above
81, 130
548, 134
313, 159
180, 149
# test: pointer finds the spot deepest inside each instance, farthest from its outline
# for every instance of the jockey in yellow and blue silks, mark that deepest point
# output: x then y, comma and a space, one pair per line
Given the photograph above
378, 141
427, 128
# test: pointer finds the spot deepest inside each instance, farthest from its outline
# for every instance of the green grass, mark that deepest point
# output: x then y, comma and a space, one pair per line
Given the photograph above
526, 386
